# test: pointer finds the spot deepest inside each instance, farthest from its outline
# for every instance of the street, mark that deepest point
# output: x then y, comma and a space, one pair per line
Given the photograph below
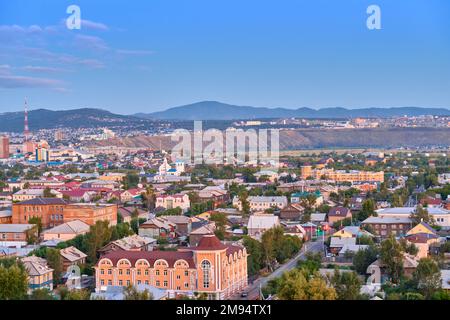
253, 289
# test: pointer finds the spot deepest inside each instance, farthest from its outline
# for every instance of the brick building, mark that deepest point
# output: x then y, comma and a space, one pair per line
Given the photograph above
54, 211
212, 268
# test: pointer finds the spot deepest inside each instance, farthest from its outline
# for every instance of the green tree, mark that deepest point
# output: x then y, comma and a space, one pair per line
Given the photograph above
243, 198
296, 285
311, 263
149, 197
98, 236
421, 214
38, 222
135, 223
428, 277
221, 221
347, 285
131, 293
392, 257
13, 280
41, 294
55, 262
368, 209
78, 294
255, 259
364, 258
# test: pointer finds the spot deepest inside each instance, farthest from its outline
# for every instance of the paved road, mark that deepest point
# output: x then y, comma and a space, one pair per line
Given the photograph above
253, 289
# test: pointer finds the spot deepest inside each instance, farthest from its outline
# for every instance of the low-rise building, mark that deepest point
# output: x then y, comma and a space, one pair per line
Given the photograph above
131, 243
385, 226
40, 275
66, 231
212, 268
28, 194
337, 214
16, 235
171, 201
259, 223
261, 203
71, 256
292, 212
441, 216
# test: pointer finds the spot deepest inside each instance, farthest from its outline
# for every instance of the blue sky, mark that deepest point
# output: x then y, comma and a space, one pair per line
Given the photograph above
145, 56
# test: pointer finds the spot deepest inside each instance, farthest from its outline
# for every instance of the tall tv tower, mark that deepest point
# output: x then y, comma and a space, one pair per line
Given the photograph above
26, 130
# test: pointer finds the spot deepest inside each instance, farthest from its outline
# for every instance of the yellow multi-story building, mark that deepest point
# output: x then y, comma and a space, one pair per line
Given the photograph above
212, 268
341, 175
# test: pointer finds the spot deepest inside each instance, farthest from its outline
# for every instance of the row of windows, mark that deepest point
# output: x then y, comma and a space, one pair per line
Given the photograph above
157, 272
39, 209
157, 283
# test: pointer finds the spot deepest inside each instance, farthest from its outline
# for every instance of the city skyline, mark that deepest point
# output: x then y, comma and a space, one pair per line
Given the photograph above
298, 54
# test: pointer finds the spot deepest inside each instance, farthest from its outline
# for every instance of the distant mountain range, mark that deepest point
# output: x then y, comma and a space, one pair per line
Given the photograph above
77, 118
213, 110
206, 110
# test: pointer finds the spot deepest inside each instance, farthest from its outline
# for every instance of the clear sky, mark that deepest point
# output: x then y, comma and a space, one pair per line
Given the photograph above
145, 56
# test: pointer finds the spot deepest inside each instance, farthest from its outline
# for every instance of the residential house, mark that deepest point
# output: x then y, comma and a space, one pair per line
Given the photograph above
337, 214
171, 201
128, 212
131, 194
410, 264
292, 212
183, 224
28, 194
5, 216
131, 243
197, 234
298, 197
66, 231
261, 203
440, 215
352, 232
79, 195
71, 256
422, 236
385, 226
16, 235
40, 275
259, 223
156, 228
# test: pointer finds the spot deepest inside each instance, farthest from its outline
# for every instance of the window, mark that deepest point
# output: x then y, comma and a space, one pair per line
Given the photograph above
165, 283
102, 271
178, 276
102, 282
139, 272
146, 281
139, 282
157, 272
109, 271
120, 282
158, 283
186, 273
128, 282
120, 271
178, 288
109, 283
165, 272
128, 271
186, 284
146, 272
206, 268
